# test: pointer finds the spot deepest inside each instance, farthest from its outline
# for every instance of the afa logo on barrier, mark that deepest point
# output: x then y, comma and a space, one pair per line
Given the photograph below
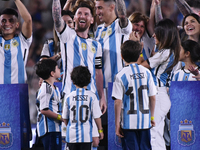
6, 137
186, 133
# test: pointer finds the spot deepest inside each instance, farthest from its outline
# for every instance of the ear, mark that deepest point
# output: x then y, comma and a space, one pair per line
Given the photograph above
187, 54
92, 20
52, 73
112, 7
17, 25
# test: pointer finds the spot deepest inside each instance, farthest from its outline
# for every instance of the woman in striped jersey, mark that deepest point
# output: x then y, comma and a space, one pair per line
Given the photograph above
167, 39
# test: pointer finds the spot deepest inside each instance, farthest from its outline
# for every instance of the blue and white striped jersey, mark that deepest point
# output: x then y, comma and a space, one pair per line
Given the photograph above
14, 54
133, 85
148, 45
183, 75
80, 107
159, 63
78, 51
48, 98
111, 38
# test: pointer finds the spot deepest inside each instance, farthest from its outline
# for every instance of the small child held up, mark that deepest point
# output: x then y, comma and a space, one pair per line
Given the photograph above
189, 54
80, 108
134, 94
49, 105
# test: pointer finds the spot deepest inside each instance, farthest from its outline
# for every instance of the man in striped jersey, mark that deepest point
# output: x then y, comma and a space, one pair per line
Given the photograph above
14, 47
78, 49
80, 107
134, 94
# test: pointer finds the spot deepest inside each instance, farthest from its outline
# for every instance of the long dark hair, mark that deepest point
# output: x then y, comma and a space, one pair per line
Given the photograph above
168, 36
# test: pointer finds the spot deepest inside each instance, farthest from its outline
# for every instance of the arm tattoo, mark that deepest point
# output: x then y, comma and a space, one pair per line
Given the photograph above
121, 12
183, 7
56, 12
158, 13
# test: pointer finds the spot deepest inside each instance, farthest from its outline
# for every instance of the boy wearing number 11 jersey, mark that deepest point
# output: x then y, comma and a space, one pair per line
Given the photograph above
80, 108
134, 94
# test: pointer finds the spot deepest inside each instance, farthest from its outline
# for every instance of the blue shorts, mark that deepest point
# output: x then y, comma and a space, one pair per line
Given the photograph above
52, 141
136, 140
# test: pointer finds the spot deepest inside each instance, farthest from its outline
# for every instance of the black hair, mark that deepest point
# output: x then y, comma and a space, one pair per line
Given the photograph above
194, 48
81, 76
131, 50
193, 15
107, 0
10, 11
67, 12
44, 68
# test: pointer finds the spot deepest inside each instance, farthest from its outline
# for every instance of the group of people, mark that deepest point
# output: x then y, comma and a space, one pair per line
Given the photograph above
141, 55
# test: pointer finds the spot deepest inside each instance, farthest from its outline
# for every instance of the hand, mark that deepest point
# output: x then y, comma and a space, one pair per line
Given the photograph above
103, 104
153, 123
193, 70
134, 36
118, 131
157, 2
101, 135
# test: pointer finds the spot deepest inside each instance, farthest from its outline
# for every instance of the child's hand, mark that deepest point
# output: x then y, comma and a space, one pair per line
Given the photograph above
153, 123
193, 70
118, 131
101, 135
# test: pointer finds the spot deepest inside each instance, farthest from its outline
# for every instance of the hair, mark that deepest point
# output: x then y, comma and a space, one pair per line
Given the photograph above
131, 50
10, 11
194, 3
137, 17
45, 67
194, 49
107, 0
67, 12
193, 15
81, 76
90, 4
168, 36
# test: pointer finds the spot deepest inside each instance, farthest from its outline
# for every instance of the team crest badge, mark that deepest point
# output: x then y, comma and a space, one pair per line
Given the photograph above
93, 49
109, 31
15, 43
103, 34
7, 47
186, 133
84, 46
6, 138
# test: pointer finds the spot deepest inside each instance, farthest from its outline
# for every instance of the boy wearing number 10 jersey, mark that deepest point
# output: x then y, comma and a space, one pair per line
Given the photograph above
80, 108
134, 94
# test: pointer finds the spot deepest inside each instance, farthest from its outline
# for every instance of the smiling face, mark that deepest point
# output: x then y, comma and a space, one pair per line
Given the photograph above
191, 26
103, 11
139, 27
8, 25
83, 19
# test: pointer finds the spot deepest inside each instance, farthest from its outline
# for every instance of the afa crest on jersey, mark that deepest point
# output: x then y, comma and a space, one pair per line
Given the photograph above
186, 133
6, 137
84, 46
93, 49
15, 43
7, 47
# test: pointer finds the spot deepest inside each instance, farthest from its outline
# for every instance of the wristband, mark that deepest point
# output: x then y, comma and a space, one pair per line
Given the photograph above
59, 117
152, 118
100, 131
141, 55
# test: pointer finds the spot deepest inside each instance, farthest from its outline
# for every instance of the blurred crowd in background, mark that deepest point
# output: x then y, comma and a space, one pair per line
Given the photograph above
41, 13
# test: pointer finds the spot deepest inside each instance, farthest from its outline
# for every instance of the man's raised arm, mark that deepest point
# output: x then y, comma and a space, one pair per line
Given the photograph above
121, 13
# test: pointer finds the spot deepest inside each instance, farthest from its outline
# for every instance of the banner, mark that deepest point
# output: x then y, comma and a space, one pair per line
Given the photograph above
184, 115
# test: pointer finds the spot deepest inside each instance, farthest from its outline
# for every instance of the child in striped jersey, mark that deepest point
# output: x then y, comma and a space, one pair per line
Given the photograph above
49, 105
189, 54
80, 107
134, 94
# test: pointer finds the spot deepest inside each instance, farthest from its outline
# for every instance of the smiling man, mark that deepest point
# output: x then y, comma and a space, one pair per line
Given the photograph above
14, 47
79, 49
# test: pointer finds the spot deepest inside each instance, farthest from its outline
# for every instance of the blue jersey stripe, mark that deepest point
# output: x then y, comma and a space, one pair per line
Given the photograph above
7, 62
102, 45
148, 78
21, 78
77, 113
90, 119
95, 44
51, 49
65, 77
126, 103
82, 129
144, 54
138, 117
138, 71
113, 52
185, 77
69, 123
